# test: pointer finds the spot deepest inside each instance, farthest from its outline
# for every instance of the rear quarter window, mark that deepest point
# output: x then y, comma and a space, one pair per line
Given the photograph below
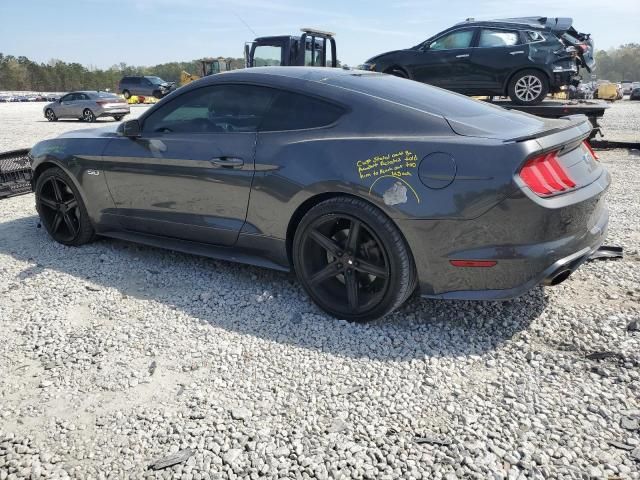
294, 111
531, 36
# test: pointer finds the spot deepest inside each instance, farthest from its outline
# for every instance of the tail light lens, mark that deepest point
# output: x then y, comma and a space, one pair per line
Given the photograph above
593, 154
545, 176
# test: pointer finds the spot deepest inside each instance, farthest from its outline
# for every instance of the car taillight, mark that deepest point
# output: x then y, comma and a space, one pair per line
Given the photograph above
593, 154
545, 176
584, 47
102, 102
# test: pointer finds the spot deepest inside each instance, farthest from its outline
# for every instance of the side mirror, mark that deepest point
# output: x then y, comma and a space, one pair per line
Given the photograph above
425, 46
130, 128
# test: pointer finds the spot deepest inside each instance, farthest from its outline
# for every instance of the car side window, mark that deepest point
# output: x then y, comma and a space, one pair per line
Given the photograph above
498, 38
214, 109
294, 111
267, 55
67, 98
453, 40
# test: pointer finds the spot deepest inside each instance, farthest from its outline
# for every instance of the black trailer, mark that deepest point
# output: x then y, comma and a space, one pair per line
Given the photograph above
592, 109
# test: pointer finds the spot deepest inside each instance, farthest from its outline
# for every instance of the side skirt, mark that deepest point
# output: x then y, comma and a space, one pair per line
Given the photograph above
258, 250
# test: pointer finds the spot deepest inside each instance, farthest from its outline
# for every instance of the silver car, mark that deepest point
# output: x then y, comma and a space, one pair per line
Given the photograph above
87, 106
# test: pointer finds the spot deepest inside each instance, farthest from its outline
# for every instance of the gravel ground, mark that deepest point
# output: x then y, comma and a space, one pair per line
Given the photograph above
115, 355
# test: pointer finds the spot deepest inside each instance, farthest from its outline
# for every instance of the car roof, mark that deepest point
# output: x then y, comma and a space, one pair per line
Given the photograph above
539, 23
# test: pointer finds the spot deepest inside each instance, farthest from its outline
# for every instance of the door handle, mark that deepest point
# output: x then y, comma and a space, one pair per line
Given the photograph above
227, 162
517, 53
462, 56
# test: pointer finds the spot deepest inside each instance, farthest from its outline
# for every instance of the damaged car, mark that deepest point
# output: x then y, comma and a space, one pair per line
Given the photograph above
367, 186
522, 58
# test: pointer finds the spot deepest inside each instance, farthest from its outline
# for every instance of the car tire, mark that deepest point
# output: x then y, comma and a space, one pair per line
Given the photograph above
157, 94
88, 116
352, 260
528, 87
61, 209
51, 115
117, 118
126, 94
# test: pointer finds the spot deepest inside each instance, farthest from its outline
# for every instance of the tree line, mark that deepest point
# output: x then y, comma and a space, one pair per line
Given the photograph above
20, 73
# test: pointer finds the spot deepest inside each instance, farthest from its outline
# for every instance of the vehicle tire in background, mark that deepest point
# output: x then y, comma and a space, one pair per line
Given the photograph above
352, 260
126, 94
117, 118
61, 209
528, 87
157, 94
88, 116
51, 115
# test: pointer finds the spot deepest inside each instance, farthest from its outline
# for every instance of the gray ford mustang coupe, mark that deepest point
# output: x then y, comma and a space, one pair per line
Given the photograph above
368, 186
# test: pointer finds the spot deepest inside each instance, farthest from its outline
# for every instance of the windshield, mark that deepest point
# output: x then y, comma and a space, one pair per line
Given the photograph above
155, 80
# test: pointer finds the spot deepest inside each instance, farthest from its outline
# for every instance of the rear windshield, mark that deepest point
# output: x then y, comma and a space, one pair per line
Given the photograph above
103, 95
413, 94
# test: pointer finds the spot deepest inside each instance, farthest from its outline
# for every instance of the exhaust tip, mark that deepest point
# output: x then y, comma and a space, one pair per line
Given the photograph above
559, 277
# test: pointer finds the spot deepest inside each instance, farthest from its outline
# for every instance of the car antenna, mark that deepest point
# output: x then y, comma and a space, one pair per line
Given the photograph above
245, 23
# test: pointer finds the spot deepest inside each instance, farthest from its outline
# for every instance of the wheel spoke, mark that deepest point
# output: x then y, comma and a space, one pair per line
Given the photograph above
56, 190
325, 242
48, 203
71, 204
57, 221
352, 290
69, 223
354, 235
371, 269
325, 273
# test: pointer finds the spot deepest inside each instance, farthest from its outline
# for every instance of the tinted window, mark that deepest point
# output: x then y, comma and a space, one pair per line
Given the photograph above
67, 98
265, 55
214, 109
459, 39
498, 38
293, 111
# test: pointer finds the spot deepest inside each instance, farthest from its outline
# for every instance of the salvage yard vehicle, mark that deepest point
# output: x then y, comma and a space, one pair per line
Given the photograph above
366, 185
146, 86
635, 94
314, 48
207, 66
522, 58
87, 106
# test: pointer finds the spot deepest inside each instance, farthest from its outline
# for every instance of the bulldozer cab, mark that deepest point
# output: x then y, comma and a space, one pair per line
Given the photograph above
211, 66
314, 48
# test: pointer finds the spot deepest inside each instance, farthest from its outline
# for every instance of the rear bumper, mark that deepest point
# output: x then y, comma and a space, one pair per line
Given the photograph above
531, 242
113, 111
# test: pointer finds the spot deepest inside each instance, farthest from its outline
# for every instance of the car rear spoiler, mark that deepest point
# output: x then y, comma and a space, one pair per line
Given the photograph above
579, 122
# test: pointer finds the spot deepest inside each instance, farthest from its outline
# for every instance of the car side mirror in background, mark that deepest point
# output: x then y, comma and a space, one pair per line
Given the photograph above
130, 128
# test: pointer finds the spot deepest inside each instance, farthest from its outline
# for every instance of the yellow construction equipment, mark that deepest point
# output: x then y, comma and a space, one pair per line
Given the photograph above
607, 91
208, 66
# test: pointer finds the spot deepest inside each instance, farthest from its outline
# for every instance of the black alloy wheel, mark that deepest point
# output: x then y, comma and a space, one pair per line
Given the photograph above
354, 264
61, 209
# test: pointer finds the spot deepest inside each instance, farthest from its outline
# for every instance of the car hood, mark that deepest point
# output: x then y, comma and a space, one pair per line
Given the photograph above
101, 132
379, 56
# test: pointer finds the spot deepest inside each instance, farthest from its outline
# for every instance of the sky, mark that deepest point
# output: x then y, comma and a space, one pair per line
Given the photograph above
102, 33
